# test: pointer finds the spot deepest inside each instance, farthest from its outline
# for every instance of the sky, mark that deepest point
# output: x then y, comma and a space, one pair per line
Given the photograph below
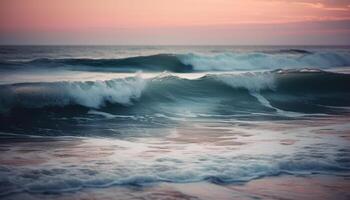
175, 22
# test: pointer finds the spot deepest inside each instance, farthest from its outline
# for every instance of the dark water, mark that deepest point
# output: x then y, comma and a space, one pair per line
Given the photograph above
77, 118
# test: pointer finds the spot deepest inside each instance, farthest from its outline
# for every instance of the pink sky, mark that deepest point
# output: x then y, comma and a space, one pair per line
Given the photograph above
175, 22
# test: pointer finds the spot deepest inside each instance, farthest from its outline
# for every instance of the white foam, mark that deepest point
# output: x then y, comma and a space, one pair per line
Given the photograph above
103, 114
98, 93
267, 104
258, 61
93, 94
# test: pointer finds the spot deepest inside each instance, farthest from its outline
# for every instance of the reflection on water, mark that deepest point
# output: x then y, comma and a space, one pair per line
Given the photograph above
203, 157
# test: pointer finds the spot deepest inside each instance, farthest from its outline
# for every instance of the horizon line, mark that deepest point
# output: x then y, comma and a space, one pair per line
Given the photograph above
182, 45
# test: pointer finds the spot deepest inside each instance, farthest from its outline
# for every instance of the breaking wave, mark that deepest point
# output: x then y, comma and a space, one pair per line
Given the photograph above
258, 61
296, 90
92, 94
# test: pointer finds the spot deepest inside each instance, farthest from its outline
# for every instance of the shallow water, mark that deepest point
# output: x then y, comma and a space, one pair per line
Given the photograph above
218, 153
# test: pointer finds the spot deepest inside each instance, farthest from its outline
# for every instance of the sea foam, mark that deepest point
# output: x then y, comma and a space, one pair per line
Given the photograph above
260, 61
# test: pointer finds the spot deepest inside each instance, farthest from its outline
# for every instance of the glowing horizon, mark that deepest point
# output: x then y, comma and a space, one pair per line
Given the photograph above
175, 22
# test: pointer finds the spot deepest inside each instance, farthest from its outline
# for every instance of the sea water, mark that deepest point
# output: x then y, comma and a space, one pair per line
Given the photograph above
174, 122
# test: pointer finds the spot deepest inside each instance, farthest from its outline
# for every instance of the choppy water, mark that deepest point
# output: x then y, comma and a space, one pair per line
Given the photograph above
77, 118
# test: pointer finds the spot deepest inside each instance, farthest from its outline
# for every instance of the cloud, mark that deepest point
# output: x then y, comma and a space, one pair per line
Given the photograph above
325, 6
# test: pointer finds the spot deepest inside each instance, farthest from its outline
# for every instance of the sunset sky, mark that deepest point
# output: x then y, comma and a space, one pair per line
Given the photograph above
179, 22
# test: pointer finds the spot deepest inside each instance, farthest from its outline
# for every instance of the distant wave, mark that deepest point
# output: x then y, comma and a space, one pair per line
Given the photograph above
283, 89
159, 62
259, 61
288, 51
286, 59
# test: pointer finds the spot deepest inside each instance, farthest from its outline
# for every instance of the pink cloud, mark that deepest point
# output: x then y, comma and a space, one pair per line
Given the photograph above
319, 5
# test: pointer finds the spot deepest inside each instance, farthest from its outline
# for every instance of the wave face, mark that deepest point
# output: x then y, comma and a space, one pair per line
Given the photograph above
159, 62
268, 60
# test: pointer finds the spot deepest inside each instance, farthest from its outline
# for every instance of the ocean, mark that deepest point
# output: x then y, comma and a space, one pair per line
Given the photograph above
174, 122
